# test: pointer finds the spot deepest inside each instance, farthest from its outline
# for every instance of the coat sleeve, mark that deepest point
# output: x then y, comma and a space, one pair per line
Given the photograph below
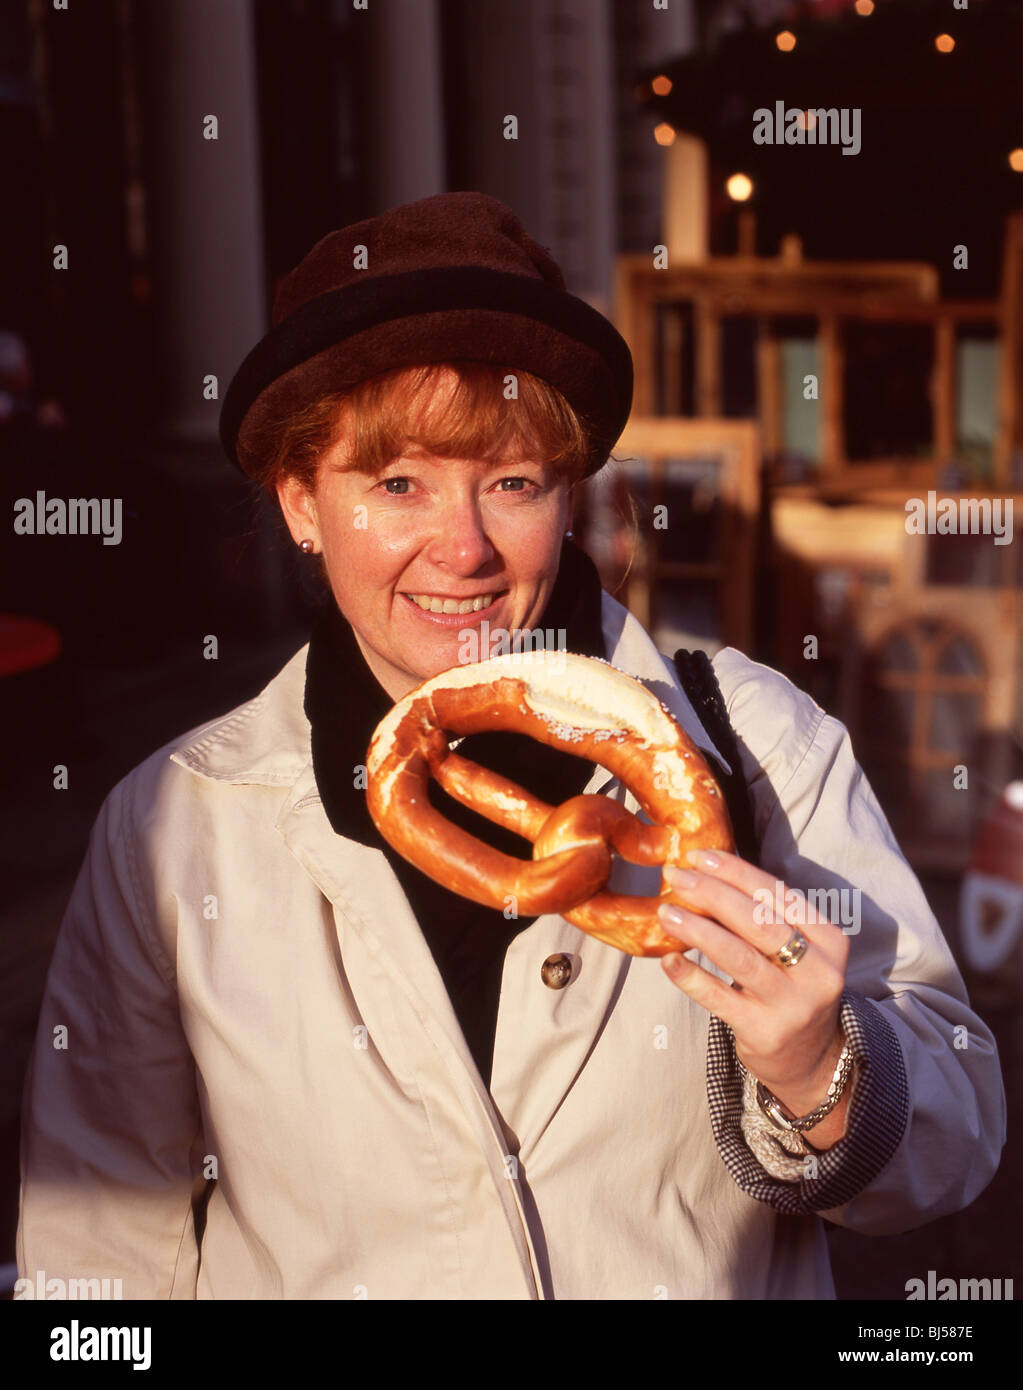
926, 1121
110, 1116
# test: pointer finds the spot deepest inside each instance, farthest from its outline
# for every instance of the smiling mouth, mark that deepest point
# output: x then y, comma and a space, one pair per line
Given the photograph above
434, 603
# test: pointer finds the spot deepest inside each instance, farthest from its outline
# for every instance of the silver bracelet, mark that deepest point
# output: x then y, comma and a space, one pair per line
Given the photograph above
772, 1107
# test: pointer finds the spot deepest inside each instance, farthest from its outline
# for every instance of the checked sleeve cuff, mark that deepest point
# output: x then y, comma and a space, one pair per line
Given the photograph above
876, 1121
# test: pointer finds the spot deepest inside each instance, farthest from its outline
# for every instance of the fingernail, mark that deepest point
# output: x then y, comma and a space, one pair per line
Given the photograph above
673, 963
671, 916
704, 859
681, 878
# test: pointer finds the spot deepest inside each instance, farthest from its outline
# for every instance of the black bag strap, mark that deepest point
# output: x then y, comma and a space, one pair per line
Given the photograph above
701, 685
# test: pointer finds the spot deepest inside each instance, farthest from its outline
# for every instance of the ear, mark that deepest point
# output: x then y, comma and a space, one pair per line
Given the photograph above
299, 508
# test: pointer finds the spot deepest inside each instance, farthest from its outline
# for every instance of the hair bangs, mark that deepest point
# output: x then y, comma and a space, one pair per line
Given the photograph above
405, 408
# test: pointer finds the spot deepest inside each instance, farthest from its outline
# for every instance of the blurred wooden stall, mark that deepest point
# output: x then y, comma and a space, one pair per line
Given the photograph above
863, 391
672, 527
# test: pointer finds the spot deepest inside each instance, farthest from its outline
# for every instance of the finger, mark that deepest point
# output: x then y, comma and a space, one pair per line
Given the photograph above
795, 918
766, 918
726, 905
756, 883
818, 973
708, 991
708, 895
732, 869
747, 966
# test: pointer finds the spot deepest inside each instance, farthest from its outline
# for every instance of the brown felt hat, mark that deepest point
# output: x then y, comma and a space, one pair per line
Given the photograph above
449, 278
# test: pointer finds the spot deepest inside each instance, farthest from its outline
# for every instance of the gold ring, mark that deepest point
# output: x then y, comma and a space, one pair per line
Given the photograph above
793, 951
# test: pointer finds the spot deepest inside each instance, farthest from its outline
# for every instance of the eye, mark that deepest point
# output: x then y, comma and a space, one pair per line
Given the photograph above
396, 487
524, 483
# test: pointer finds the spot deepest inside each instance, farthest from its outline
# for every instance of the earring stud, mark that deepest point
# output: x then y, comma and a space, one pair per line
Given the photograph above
306, 546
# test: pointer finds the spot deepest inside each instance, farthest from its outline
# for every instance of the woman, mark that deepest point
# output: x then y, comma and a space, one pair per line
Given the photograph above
294, 1067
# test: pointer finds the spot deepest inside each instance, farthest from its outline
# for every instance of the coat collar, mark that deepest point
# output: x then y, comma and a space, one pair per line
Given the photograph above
267, 740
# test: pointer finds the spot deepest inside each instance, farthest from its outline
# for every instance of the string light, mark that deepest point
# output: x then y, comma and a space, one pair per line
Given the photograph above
1016, 160
664, 134
944, 43
864, 6
661, 85
740, 188
785, 41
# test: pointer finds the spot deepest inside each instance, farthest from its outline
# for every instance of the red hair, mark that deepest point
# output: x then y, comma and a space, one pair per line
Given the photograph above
388, 412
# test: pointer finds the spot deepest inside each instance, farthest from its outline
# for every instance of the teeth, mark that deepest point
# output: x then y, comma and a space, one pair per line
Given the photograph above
451, 605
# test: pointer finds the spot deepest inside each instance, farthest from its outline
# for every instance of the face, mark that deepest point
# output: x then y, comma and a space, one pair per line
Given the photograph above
426, 535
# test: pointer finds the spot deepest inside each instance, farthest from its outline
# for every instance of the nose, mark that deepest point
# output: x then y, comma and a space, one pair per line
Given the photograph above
459, 543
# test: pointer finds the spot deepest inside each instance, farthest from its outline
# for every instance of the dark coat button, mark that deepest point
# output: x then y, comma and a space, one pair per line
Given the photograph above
556, 971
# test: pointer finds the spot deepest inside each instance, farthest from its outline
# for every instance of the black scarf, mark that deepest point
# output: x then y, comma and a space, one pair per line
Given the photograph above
344, 702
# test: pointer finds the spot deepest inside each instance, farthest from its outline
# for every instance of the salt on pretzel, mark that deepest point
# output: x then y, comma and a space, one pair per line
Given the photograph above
582, 706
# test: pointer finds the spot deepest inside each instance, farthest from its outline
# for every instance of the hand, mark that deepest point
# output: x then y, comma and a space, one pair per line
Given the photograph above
784, 1018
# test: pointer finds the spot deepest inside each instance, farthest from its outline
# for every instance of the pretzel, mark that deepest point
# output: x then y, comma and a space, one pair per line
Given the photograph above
582, 706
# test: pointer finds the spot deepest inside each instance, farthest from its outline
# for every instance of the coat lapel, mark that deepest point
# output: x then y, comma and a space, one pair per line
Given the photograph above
545, 1036
391, 974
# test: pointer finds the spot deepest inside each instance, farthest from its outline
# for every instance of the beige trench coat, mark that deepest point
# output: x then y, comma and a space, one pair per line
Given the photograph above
247, 995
